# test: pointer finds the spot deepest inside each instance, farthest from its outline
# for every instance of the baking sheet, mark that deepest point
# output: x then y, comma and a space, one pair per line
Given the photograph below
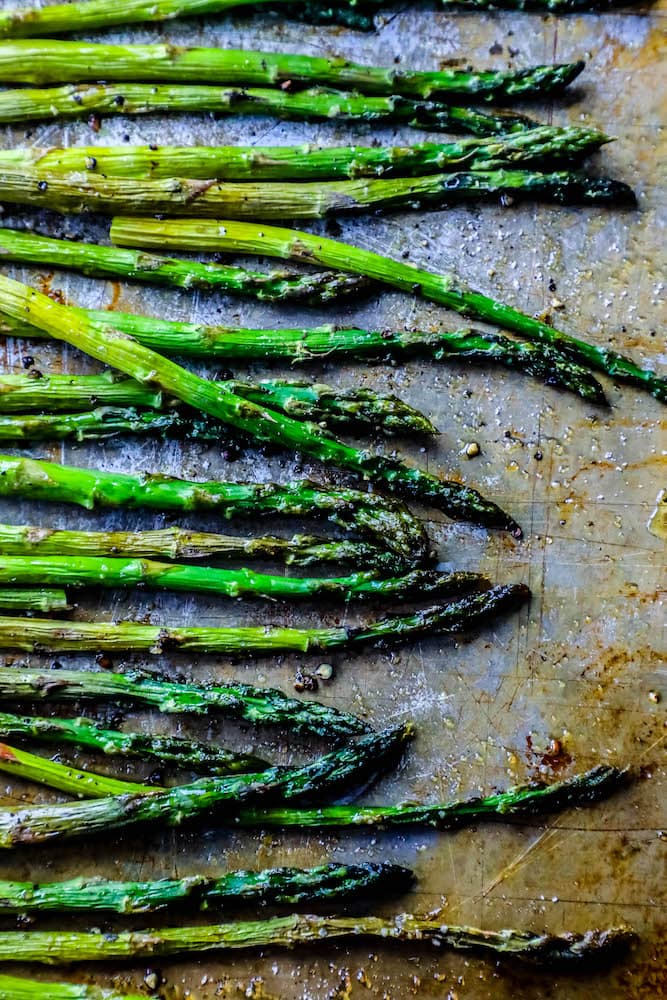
578, 666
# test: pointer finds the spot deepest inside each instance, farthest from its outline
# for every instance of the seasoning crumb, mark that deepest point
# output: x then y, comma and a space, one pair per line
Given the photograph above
655, 697
472, 449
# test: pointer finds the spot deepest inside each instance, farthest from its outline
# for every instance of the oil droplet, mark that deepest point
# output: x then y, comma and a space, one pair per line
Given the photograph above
657, 524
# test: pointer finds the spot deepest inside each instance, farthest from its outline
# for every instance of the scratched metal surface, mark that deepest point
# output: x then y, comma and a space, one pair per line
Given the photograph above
578, 666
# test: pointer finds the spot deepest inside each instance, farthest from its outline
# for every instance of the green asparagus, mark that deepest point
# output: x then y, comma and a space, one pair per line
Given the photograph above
14, 988
78, 62
387, 523
300, 200
180, 543
106, 422
522, 803
329, 774
84, 15
304, 400
101, 262
121, 351
38, 599
316, 104
194, 755
284, 886
31, 767
299, 346
237, 701
46, 635
121, 571
448, 290
534, 148
568, 951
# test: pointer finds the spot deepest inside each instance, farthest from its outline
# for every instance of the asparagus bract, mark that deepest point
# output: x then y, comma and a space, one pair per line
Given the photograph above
44, 634
304, 400
549, 950
76, 62
235, 701
180, 543
117, 571
195, 755
299, 346
316, 104
38, 599
339, 769
386, 522
535, 147
283, 886
84, 192
15, 988
115, 348
110, 262
448, 290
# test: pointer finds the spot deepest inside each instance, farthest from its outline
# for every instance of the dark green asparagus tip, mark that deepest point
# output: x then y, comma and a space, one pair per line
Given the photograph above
583, 789
576, 951
586, 190
569, 72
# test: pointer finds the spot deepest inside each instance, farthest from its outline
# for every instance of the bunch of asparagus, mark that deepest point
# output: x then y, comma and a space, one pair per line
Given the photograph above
114, 805
182, 181
149, 78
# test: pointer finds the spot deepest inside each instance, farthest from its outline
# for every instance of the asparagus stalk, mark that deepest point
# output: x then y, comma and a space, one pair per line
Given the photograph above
237, 701
304, 400
15, 988
174, 806
38, 599
386, 522
179, 543
298, 346
284, 886
316, 104
84, 15
569, 951
447, 290
522, 803
104, 423
119, 571
31, 767
44, 634
110, 262
535, 147
302, 199
128, 355
195, 755
77, 62
26, 393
